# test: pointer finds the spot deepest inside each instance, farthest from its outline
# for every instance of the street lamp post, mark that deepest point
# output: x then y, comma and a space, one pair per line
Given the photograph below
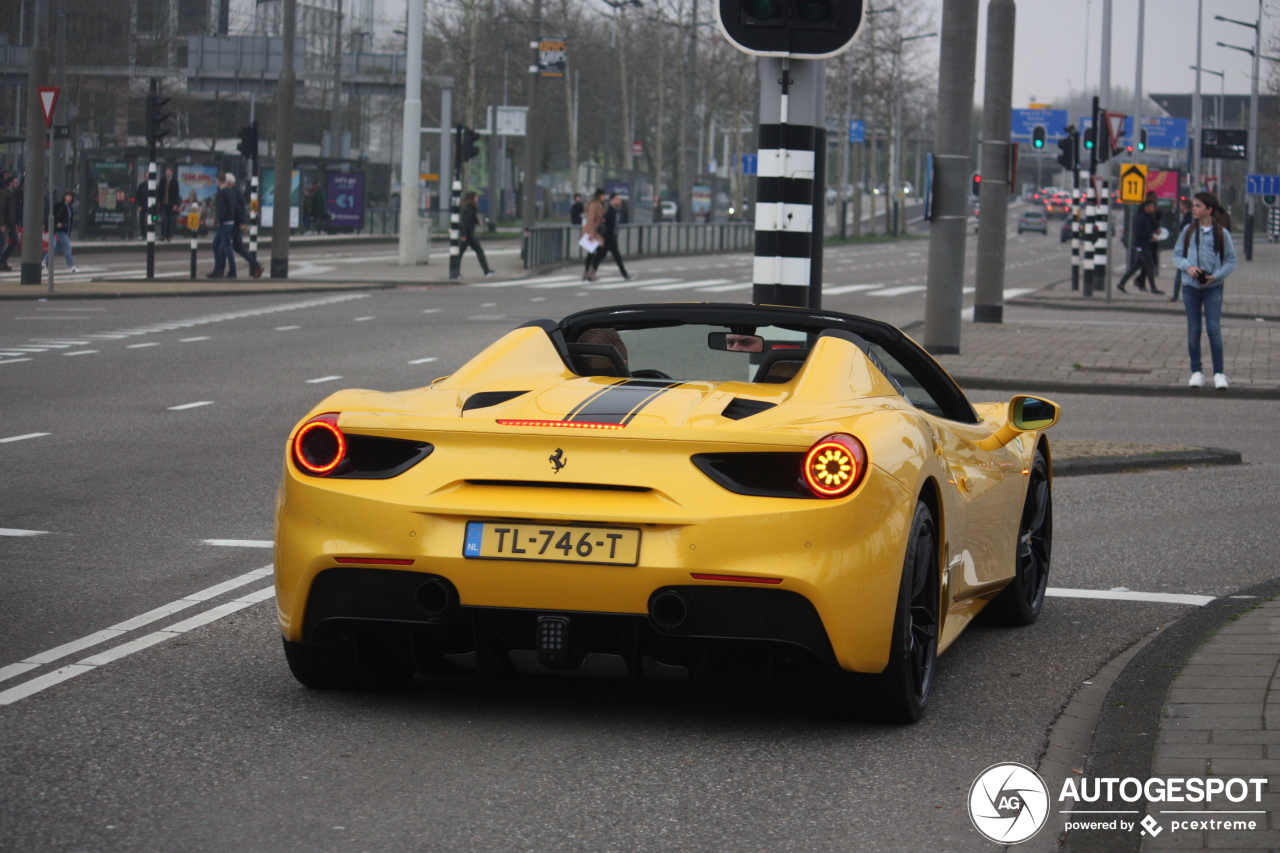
1253, 122
895, 145
1219, 111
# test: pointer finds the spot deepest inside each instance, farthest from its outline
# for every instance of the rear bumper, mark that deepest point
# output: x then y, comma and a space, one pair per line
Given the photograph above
721, 623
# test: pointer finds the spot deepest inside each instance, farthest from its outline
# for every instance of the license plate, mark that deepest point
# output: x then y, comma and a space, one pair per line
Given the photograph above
554, 543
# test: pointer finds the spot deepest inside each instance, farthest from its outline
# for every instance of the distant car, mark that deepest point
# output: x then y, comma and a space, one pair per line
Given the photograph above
1033, 220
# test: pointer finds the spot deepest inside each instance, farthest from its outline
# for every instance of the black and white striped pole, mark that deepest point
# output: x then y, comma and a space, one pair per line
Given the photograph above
155, 131
455, 212
792, 39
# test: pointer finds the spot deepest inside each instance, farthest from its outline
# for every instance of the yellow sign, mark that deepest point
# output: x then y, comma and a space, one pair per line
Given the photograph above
1133, 183
428, 176
1040, 106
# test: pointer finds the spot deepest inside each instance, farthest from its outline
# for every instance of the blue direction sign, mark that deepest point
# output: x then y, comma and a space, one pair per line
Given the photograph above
1024, 122
1161, 132
857, 130
749, 162
1262, 184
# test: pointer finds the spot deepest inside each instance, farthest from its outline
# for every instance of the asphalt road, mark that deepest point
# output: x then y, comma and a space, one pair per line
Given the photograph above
204, 742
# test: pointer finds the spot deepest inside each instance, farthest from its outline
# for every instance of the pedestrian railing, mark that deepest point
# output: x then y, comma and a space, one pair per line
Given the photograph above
550, 244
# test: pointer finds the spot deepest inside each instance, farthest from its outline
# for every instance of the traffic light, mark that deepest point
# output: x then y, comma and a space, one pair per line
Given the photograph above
467, 147
156, 117
248, 146
1038, 136
809, 29
977, 183
1089, 137
1105, 145
1069, 159
1142, 139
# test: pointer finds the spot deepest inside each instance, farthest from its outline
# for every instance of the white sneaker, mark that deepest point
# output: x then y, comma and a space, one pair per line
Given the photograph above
1197, 380
1219, 381
73, 269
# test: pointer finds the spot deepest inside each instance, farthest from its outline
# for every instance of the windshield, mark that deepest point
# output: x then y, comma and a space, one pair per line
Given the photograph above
682, 352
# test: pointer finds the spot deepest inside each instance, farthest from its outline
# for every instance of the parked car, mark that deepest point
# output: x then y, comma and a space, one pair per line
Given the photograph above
1033, 220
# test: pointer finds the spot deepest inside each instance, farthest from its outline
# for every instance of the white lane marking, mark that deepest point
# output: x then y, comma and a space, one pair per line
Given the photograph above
430, 310
967, 314
128, 625
77, 310
107, 337
968, 290
24, 437
683, 284
140, 346
320, 379
576, 282
423, 360
1126, 595
63, 317
849, 288
191, 405
190, 340
362, 319
897, 291
81, 352
16, 669
631, 283
35, 685
60, 341
287, 328
16, 531
13, 360
26, 349
240, 543
721, 288
1015, 292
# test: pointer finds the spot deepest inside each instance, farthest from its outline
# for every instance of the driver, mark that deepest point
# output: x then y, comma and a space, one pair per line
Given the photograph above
607, 336
742, 343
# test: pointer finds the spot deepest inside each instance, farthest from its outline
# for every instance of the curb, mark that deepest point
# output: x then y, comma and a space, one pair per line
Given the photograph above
1056, 385
1205, 456
1061, 305
1124, 739
42, 296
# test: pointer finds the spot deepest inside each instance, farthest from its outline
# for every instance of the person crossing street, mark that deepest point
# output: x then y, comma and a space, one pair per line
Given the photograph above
467, 229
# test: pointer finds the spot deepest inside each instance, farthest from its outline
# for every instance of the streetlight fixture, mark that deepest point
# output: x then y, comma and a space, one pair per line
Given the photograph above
1253, 117
895, 153
1219, 114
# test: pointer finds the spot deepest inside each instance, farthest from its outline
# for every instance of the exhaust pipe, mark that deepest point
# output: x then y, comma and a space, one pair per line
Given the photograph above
437, 599
669, 610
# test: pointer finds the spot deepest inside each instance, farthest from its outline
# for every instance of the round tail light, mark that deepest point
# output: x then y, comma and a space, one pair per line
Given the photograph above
835, 465
319, 447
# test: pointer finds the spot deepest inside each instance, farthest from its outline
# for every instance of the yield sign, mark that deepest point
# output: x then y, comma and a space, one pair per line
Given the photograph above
1115, 128
48, 101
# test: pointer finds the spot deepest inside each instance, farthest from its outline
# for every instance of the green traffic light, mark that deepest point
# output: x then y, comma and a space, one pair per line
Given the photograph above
1039, 143
814, 11
762, 10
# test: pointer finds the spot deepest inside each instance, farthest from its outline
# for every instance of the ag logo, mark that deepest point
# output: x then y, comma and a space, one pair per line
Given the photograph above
1008, 803
558, 460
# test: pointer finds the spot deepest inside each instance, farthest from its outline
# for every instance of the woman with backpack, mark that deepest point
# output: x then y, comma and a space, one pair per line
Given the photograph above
1205, 254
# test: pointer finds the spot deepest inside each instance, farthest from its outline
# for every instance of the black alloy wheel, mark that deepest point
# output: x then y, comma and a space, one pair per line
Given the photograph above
1021, 601
901, 693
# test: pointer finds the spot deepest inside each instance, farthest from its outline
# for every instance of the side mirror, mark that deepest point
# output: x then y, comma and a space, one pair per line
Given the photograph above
1026, 414
730, 342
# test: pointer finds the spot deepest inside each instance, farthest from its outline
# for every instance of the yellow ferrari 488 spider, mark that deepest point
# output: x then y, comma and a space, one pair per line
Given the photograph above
663, 492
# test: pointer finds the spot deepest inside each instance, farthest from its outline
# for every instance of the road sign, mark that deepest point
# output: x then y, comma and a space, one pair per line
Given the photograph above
1116, 126
48, 102
552, 57
1023, 123
1262, 184
1161, 132
749, 163
1220, 143
857, 130
637, 149
1133, 183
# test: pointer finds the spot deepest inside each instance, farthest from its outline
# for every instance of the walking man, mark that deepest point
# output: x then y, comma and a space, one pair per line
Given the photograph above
170, 199
1144, 249
609, 231
225, 207
237, 233
575, 212
8, 222
467, 229
63, 216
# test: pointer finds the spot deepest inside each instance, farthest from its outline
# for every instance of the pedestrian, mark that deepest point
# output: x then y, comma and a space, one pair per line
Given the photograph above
609, 231
1206, 256
63, 216
170, 199
223, 253
190, 206
319, 209
1143, 249
468, 226
306, 210
575, 212
1184, 204
241, 226
8, 222
592, 240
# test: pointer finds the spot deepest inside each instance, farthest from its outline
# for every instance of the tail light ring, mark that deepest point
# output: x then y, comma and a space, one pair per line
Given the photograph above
315, 429
835, 465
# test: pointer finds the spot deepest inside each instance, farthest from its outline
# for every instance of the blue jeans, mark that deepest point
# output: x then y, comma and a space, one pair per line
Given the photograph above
222, 251
61, 241
1208, 301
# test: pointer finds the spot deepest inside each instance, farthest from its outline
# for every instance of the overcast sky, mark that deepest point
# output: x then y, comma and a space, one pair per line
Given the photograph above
1050, 55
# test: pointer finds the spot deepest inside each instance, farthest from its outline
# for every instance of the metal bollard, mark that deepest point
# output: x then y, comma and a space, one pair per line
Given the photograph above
194, 244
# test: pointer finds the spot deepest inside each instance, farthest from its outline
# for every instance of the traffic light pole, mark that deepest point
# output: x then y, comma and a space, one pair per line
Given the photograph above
283, 198
455, 207
38, 78
148, 218
789, 192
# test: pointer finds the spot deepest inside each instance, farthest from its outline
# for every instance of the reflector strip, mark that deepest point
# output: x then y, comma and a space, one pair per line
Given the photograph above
373, 561
570, 424
741, 578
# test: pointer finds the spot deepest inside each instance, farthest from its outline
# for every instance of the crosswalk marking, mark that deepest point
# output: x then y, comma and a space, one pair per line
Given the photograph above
722, 288
630, 284
897, 291
683, 284
849, 288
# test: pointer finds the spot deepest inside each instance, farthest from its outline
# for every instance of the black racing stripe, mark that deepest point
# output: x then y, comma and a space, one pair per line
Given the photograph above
783, 244
590, 397
785, 190
619, 403
793, 137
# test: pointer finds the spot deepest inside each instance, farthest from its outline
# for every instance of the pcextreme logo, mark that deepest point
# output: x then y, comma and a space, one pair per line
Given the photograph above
1008, 803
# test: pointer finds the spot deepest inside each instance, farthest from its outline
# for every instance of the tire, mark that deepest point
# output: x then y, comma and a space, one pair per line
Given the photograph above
373, 667
901, 693
1020, 602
